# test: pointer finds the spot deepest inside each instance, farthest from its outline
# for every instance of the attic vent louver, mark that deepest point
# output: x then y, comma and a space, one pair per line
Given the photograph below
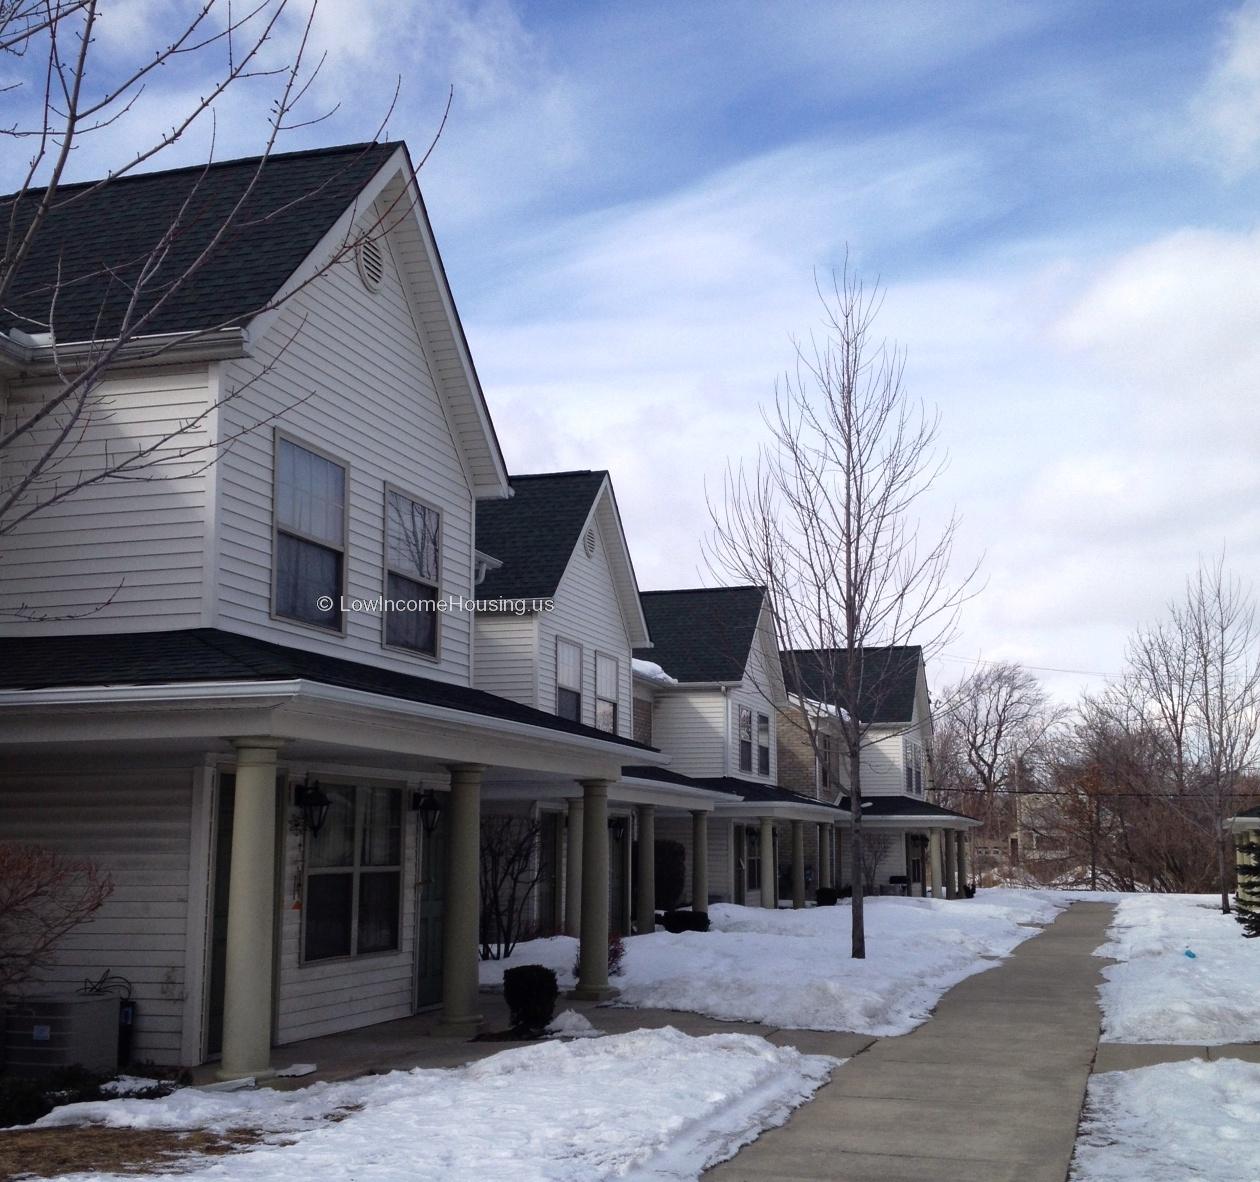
371, 263
588, 543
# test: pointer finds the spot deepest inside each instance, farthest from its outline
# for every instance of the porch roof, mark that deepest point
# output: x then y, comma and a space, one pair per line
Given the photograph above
1246, 820
745, 797
211, 657
908, 812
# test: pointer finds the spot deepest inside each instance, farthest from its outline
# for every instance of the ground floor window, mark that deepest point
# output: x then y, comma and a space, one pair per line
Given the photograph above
753, 858
352, 905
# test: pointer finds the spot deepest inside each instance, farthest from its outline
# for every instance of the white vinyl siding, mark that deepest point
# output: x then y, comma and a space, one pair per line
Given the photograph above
506, 658
753, 693
135, 826
690, 727
354, 382
120, 555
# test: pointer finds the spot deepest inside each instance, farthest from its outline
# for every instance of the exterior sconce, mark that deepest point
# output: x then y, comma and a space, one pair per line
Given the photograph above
314, 803
617, 827
426, 804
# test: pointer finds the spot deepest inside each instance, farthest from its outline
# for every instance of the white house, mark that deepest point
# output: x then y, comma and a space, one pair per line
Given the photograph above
249, 690
714, 713
912, 845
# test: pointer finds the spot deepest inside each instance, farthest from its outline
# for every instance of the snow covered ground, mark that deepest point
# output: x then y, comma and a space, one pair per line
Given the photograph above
652, 1106
793, 969
1171, 1122
1159, 994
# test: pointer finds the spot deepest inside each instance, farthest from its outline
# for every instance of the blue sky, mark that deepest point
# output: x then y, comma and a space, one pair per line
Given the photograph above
631, 199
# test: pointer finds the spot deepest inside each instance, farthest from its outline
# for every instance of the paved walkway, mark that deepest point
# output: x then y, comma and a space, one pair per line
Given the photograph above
990, 1088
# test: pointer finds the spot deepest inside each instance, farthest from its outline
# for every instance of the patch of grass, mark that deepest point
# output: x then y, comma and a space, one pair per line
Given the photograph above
48, 1153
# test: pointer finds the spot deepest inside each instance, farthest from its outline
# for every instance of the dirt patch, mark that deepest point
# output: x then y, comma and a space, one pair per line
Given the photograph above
46, 1153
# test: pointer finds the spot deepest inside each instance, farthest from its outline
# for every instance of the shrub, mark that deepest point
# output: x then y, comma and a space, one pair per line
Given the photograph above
846, 892
530, 991
671, 873
826, 896
685, 921
24, 1099
969, 890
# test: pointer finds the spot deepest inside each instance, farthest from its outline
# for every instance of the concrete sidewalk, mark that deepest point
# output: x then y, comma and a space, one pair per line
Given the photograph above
989, 1088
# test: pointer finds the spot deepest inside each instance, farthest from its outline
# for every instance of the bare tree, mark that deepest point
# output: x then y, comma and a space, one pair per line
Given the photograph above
510, 871
74, 95
825, 520
874, 850
43, 897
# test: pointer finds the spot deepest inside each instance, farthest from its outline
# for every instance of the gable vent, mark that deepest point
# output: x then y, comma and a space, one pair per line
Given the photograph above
371, 263
588, 543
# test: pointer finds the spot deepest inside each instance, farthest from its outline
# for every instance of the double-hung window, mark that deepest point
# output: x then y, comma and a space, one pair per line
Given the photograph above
412, 557
827, 762
607, 675
353, 895
745, 738
763, 744
569, 680
310, 535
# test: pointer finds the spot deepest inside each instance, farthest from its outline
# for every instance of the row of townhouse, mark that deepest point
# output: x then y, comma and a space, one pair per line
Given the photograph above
274, 696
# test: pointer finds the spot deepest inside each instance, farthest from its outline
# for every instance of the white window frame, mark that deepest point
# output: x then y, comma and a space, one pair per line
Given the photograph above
769, 744
579, 689
615, 701
740, 712
276, 530
387, 570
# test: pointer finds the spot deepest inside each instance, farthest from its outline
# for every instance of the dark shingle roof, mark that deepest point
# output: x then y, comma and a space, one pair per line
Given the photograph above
731, 785
534, 532
902, 806
890, 679
88, 235
703, 634
207, 655
1248, 814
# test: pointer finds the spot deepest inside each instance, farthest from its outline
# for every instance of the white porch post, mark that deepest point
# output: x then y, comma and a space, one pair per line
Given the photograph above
961, 838
934, 864
461, 918
951, 866
700, 860
826, 875
798, 864
592, 983
251, 913
645, 871
573, 869
769, 868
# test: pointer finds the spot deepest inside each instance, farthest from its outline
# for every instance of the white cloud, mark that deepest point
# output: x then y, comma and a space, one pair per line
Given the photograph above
1227, 110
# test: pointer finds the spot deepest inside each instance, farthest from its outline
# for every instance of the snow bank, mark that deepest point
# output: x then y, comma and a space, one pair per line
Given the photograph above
1158, 994
1171, 1122
652, 1105
793, 969
651, 671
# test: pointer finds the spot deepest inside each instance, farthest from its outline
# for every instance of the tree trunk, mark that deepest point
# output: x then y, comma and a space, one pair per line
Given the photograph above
856, 861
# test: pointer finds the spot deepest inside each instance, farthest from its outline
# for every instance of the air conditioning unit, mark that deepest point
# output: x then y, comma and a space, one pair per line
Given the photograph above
42, 1033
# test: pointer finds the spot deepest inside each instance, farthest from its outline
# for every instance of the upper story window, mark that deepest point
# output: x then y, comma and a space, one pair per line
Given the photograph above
763, 744
914, 768
352, 903
310, 535
412, 557
745, 738
607, 677
569, 680
828, 765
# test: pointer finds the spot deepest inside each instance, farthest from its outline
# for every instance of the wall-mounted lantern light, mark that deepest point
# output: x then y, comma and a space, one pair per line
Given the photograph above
314, 803
426, 804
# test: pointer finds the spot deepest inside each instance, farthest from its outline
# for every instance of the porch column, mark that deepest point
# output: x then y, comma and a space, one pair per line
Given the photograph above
645, 871
461, 918
573, 869
826, 876
934, 864
700, 861
951, 866
798, 864
592, 983
251, 913
769, 867
962, 862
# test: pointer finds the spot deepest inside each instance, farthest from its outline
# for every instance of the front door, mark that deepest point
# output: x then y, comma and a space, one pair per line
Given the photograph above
430, 909
547, 900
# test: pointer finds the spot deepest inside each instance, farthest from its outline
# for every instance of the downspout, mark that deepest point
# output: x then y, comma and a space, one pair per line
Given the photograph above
726, 736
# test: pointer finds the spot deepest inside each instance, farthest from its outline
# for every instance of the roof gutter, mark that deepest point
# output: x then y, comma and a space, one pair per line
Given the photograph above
33, 357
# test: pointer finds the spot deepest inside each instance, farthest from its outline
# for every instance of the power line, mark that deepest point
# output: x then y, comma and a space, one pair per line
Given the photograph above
1037, 668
